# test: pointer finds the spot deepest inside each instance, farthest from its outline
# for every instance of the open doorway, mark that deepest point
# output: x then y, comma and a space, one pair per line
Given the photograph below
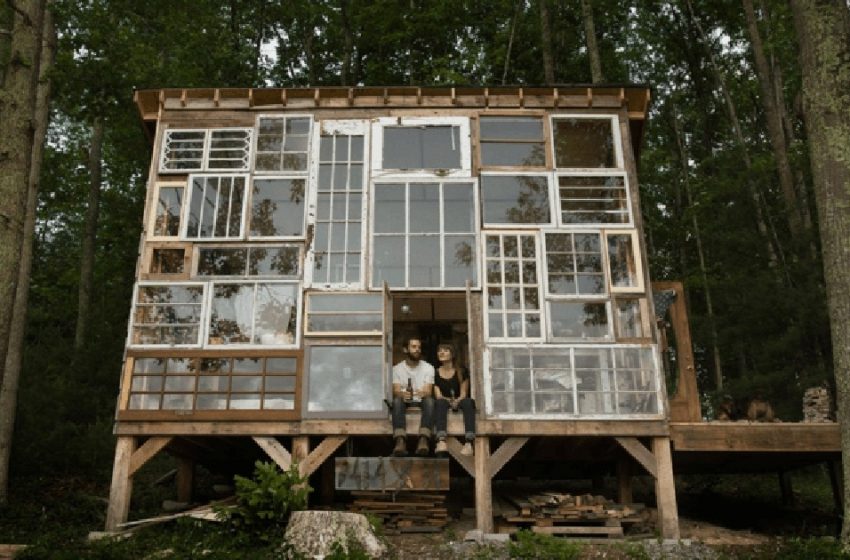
435, 319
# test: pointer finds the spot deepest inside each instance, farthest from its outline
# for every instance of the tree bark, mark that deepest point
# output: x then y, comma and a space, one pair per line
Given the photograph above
823, 32
348, 42
546, 43
17, 106
592, 47
14, 356
5, 38
517, 7
90, 235
774, 123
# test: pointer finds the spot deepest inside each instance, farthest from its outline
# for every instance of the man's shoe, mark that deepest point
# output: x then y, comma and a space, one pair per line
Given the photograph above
400, 449
423, 449
466, 449
441, 449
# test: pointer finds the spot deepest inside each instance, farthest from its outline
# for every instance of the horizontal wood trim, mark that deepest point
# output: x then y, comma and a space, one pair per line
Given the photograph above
746, 436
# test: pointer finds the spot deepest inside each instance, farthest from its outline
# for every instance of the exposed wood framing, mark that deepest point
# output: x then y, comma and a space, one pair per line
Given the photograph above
665, 489
122, 484
318, 456
483, 487
504, 453
275, 450
185, 479
468, 463
640, 453
684, 405
772, 436
624, 481
146, 452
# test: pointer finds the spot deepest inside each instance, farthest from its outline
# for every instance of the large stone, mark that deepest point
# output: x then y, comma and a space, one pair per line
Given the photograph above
313, 533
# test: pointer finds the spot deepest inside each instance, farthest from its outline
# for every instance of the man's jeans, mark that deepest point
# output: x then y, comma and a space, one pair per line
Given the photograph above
400, 421
467, 406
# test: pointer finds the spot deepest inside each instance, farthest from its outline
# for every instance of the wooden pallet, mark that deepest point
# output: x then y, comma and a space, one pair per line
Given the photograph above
404, 512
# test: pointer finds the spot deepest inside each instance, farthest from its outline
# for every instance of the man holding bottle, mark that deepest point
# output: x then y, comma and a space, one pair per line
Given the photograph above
413, 383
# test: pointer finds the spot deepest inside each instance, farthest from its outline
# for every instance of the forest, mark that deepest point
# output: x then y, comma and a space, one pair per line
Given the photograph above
739, 198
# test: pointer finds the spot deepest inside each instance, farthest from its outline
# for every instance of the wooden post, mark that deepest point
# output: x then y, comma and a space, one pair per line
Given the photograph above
300, 451
785, 488
665, 489
122, 483
483, 489
624, 480
185, 479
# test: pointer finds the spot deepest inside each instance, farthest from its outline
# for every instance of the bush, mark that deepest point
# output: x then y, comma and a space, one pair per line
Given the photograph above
543, 547
264, 502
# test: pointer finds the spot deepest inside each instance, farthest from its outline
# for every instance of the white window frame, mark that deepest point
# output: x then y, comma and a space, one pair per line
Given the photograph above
488, 384
210, 294
616, 138
603, 250
462, 123
205, 158
592, 173
187, 206
636, 252
350, 128
283, 117
541, 301
151, 223
643, 304
203, 315
249, 208
308, 296
476, 233
196, 261
550, 195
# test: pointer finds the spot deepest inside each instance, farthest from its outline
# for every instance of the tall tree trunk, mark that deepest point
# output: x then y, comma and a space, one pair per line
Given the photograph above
348, 42
592, 47
709, 306
5, 38
14, 356
546, 42
17, 106
823, 32
90, 235
517, 6
774, 123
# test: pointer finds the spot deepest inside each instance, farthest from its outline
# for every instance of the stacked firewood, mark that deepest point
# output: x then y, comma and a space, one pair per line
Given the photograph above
817, 405
403, 512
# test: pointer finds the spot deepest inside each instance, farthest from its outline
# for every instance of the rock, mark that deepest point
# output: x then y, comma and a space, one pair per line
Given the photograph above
474, 535
313, 533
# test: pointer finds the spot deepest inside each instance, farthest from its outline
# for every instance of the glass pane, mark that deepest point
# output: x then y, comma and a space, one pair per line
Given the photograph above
243, 383
459, 255
621, 258
518, 154
177, 402
149, 365
183, 150
372, 323
221, 262
247, 365
280, 383
390, 208
421, 147
277, 207
425, 261
212, 383
245, 402
424, 208
346, 378
343, 303
518, 199
168, 207
280, 365
146, 383
512, 128
276, 314
388, 262
274, 261
593, 200
231, 314
587, 143
459, 215
144, 402
279, 402
577, 320
167, 261
216, 401
180, 383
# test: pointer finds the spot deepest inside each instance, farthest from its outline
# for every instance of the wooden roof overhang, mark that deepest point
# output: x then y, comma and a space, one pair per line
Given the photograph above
635, 98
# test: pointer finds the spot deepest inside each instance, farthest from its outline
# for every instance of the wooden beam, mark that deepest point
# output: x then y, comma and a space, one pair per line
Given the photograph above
504, 454
122, 484
746, 436
275, 450
685, 404
316, 457
483, 489
185, 478
665, 489
624, 481
468, 463
146, 452
640, 453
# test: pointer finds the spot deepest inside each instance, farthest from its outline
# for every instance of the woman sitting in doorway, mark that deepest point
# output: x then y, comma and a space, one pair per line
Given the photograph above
451, 390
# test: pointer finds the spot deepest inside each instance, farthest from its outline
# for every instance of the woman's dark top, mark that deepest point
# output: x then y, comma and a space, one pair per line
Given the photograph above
448, 385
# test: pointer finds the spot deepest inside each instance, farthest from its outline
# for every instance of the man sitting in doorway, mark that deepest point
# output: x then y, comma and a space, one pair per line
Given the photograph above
413, 382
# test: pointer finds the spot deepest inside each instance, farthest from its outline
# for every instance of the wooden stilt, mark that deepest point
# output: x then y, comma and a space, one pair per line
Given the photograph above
665, 488
786, 488
483, 489
624, 480
122, 483
836, 481
300, 448
185, 479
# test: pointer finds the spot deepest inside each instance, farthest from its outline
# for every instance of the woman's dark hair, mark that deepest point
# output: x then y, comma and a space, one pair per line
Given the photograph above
455, 363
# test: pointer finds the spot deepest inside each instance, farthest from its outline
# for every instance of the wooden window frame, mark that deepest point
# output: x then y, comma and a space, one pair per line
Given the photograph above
187, 208
204, 166
152, 217
196, 261
559, 218
202, 317
616, 138
377, 164
519, 173
308, 152
548, 164
644, 319
638, 263
308, 296
147, 261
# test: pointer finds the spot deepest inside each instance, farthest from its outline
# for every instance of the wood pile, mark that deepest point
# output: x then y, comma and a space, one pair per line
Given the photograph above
817, 407
404, 512
564, 514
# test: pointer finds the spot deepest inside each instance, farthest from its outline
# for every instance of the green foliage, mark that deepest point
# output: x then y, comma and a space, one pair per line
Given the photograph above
542, 547
265, 502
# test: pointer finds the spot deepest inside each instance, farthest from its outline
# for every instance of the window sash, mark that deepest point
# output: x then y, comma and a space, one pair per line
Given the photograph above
207, 210
248, 333
166, 214
462, 124
290, 158
368, 403
543, 208
205, 149
247, 258
335, 316
502, 278
487, 141
591, 205
154, 309
617, 152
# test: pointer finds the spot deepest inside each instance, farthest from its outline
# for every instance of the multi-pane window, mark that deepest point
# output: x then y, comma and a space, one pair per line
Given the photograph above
167, 210
574, 264
167, 314
339, 209
593, 199
515, 199
255, 260
250, 313
215, 207
277, 207
334, 313
221, 149
587, 143
226, 383
512, 287
512, 141
424, 235
344, 379
282, 144
559, 380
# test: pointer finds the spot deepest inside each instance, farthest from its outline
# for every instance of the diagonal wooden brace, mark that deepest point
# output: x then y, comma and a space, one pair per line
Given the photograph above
640, 453
275, 450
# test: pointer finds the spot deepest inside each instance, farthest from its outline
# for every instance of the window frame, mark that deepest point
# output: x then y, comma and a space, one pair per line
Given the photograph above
377, 164
348, 127
187, 208
282, 172
249, 209
196, 261
308, 296
593, 173
151, 222
146, 267
508, 225
475, 233
609, 337
603, 253
613, 118
548, 152
205, 157
643, 303
202, 317
636, 250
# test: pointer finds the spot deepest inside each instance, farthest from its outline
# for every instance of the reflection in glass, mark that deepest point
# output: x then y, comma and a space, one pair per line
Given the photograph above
579, 320
345, 379
621, 259
515, 199
598, 199
183, 150
167, 261
215, 207
574, 264
277, 208
168, 208
584, 143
